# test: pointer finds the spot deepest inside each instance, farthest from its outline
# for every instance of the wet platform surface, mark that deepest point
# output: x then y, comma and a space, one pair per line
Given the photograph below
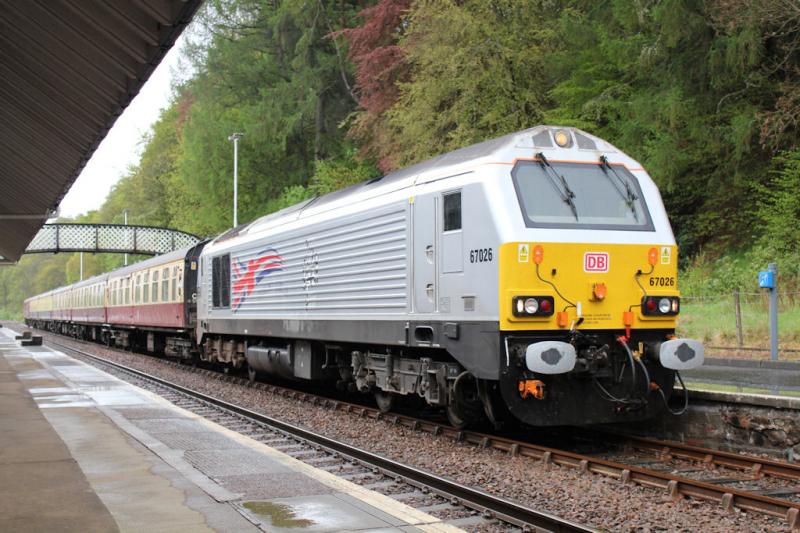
88, 452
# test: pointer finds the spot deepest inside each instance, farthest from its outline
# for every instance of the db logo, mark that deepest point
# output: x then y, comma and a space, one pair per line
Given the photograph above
595, 262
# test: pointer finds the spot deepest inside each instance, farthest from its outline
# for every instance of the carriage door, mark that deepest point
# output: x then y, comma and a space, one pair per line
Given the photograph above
425, 222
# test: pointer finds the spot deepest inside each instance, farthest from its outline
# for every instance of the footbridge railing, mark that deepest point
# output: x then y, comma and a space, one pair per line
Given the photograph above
109, 238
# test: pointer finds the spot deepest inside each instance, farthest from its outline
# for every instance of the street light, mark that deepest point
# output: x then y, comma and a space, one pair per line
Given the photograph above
235, 138
125, 215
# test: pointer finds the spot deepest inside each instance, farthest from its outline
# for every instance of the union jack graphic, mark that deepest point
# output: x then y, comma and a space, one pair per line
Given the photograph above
247, 276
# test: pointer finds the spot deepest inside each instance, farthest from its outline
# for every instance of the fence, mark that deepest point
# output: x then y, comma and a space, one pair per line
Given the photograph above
740, 320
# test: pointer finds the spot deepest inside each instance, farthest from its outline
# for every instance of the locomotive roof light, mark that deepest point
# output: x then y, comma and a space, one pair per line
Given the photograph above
562, 138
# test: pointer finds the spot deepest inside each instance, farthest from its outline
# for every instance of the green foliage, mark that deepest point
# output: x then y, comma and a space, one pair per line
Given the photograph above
477, 72
334, 174
271, 71
780, 211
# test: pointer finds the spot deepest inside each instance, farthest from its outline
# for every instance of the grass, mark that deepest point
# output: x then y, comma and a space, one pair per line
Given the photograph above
713, 320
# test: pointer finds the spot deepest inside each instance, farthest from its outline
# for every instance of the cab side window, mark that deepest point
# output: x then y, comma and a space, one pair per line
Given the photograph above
452, 211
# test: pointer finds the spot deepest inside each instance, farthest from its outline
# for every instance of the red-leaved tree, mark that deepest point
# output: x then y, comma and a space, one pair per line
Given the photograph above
380, 66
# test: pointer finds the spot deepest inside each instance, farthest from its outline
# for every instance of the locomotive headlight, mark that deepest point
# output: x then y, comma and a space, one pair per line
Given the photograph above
532, 306
562, 138
661, 305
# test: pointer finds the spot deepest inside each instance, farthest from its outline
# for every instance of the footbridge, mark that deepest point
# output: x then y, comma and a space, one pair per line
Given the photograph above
109, 238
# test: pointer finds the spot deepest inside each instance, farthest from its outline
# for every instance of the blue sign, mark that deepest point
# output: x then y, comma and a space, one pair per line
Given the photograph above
766, 279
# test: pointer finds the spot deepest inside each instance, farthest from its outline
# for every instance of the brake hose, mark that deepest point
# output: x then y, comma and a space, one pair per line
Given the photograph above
685, 397
633, 366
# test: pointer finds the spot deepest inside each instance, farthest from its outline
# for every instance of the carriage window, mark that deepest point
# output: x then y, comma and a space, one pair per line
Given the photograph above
137, 291
146, 288
174, 283
452, 211
221, 281
154, 287
165, 285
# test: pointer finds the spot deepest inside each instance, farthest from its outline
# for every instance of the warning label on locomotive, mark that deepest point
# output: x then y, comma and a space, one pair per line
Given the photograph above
523, 252
665, 255
595, 262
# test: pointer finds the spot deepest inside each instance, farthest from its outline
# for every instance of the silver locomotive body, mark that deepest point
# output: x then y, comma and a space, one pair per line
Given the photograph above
397, 287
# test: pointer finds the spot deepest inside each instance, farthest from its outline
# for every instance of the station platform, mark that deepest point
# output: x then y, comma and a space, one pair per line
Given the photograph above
81, 450
750, 377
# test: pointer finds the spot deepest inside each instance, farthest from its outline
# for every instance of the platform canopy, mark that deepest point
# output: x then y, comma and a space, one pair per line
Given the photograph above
68, 68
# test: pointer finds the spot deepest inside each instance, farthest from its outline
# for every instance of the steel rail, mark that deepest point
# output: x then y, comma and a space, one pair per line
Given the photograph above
675, 485
500, 508
757, 465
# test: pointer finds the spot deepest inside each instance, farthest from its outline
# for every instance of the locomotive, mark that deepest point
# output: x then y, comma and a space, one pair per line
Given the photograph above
529, 277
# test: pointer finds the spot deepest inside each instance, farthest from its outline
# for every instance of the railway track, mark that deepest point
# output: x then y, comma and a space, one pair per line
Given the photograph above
678, 469
488, 512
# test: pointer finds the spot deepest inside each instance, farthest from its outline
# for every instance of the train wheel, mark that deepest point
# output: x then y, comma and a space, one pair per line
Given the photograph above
465, 407
494, 408
385, 400
457, 418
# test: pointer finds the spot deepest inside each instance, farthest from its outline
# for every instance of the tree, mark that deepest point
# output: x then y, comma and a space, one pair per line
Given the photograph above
380, 65
477, 71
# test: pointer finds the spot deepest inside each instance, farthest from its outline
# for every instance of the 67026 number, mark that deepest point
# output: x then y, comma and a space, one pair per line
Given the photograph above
657, 281
482, 255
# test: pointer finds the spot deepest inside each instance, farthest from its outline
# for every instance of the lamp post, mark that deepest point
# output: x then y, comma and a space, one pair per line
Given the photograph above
125, 215
235, 138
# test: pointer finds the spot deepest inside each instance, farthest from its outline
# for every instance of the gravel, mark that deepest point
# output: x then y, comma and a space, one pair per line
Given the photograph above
586, 498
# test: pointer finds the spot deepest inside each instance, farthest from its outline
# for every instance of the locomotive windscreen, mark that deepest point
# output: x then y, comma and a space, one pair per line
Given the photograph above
580, 195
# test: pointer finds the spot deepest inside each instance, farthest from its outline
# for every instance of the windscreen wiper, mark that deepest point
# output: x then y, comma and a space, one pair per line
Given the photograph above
629, 196
555, 178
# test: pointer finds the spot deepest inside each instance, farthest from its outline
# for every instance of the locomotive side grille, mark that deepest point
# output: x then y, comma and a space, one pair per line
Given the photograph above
342, 267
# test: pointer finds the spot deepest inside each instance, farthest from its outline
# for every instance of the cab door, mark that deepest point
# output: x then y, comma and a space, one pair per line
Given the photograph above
424, 222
